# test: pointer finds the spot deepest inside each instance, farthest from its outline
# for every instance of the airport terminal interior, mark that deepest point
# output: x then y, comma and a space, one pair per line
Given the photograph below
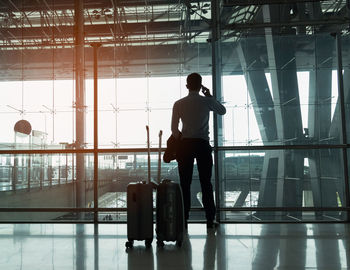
81, 79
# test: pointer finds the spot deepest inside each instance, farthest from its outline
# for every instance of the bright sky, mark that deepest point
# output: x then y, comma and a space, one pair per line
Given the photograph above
127, 105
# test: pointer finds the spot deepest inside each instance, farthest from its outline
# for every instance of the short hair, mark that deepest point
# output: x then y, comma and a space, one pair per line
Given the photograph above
194, 81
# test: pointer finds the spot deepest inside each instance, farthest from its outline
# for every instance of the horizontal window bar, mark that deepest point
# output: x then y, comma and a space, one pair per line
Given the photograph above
144, 150
237, 209
284, 209
233, 3
284, 147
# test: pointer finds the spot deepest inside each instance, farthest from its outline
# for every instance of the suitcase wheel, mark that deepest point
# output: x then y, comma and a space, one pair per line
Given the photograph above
179, 243
148, 243
129, 244
160, 243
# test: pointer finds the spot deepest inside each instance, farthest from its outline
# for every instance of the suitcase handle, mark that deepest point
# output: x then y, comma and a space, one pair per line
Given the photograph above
148, 156
167, 181
149, 181
159, 155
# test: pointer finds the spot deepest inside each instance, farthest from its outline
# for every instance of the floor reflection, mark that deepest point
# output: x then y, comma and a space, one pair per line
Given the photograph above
274, 248
234, 246
80, 247
174, 257
302, 246
327, 249
139, 257
209, 252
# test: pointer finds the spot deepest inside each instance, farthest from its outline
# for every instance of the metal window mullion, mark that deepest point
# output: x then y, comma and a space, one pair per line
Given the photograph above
216, 79
95, 48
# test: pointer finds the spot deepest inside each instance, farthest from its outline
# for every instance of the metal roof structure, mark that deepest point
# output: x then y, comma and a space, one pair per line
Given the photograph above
141, 37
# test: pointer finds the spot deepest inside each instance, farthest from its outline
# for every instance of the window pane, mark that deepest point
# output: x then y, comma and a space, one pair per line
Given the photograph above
290, 97
282, 178
45, 181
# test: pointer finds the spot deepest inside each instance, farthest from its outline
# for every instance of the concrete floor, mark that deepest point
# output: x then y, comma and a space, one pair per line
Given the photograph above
232, 246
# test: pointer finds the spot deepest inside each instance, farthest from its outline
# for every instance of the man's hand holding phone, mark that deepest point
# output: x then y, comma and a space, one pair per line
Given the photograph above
206, 91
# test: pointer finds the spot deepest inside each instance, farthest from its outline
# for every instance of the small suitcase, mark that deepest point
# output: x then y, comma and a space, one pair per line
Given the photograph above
140, 209
139, 213
169, 211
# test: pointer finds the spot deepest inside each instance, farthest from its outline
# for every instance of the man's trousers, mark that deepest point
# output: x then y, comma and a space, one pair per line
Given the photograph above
199, 149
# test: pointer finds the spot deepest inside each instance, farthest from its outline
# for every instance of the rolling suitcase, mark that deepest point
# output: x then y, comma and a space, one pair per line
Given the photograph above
170, 210
140, 209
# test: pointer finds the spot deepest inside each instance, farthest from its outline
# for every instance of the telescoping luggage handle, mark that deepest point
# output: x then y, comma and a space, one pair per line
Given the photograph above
159, 156
148, 157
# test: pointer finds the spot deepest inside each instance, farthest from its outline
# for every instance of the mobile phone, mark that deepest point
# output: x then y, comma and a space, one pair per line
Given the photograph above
206, 91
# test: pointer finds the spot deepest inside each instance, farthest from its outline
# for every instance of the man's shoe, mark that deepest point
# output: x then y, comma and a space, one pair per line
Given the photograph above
212, 224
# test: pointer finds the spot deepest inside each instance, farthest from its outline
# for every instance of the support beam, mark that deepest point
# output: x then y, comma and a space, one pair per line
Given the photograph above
320, 89
80, 102
258, 89
269, 179
282, 176
324, 183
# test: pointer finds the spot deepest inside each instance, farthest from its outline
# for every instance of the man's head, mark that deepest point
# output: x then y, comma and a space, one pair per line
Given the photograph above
194, 82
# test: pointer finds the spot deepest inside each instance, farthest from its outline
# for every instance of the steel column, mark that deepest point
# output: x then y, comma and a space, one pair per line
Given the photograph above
95, 48
79, 101
282, 66
343, 121
258, 88
216, 82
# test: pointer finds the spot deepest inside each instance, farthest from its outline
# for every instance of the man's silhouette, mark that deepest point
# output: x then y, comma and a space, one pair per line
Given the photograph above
193, 110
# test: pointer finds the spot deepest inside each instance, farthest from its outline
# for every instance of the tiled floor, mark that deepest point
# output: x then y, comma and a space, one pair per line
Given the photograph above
232, 246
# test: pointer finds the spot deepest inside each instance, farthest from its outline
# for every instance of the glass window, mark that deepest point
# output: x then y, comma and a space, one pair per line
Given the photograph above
281, 96
282, 178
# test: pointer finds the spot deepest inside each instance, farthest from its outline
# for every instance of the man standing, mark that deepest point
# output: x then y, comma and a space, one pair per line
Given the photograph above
193, 110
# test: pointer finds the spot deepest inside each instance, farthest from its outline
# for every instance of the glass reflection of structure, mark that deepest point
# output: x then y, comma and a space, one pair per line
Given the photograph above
291, 89
282, 143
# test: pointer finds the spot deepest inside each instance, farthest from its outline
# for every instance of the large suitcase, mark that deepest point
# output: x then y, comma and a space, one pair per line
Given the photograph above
169, 211
140, 209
